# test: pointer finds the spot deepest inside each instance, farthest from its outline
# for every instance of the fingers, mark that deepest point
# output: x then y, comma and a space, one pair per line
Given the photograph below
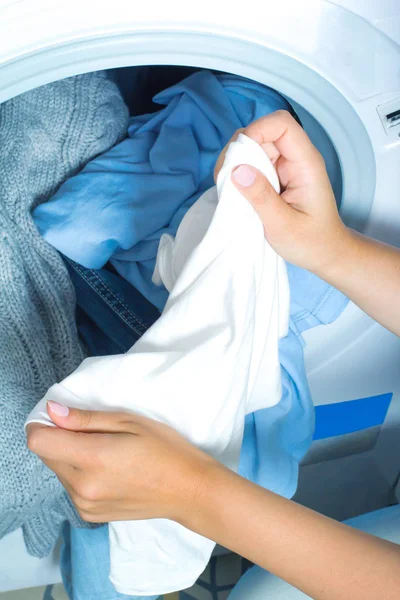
283, 131
32, 428
256, 188
70, 442
59, 445
91, 421
65, 474
287, 145
86, 492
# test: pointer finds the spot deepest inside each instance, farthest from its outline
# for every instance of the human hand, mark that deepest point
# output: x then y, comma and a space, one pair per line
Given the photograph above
302, 224
121, 466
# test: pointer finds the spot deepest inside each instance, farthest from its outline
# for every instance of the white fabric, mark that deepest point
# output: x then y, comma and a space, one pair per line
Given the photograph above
211, 358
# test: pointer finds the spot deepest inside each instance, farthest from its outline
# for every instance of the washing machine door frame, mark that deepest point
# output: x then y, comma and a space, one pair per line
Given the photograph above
325, 58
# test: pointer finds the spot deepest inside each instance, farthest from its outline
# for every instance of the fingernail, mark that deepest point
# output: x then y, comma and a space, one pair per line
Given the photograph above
58, 409
244, 176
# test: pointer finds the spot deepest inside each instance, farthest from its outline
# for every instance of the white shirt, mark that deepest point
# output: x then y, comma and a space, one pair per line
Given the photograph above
210, 359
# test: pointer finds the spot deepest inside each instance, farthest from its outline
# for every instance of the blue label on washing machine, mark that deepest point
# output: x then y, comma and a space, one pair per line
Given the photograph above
348, 417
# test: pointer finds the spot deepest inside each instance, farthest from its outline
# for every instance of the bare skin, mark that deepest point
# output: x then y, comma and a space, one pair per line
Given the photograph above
119, 466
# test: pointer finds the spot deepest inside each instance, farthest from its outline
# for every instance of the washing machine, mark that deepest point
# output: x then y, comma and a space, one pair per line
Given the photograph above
338, 63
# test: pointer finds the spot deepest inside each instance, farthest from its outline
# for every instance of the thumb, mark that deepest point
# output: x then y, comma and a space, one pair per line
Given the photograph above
256, 188
90, 421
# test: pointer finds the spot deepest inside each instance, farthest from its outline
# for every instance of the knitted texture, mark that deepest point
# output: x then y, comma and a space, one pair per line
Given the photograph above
46, 136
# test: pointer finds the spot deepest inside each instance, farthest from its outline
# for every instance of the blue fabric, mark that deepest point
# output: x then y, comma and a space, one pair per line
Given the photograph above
110, 314
120, 204
312, 302
85, 564
283, 434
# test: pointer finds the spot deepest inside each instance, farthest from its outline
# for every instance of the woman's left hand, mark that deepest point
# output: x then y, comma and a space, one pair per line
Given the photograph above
121, 466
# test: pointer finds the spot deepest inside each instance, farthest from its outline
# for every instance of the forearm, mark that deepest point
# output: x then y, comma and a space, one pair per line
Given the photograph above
323, 558
368, 272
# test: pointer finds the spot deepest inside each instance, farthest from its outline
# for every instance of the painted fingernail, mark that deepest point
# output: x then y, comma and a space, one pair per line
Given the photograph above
244, 176
58, 409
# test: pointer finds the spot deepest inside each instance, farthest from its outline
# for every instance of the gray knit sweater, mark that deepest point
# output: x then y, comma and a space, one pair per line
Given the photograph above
46, 135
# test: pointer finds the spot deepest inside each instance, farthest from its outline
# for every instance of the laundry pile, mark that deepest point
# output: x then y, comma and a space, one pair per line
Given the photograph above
210, 359
141, 231
121, 203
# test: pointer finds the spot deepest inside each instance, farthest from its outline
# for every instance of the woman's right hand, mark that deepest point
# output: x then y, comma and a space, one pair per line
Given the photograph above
302, 223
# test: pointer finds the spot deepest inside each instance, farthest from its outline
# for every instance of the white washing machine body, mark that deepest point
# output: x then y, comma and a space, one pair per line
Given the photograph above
339, 64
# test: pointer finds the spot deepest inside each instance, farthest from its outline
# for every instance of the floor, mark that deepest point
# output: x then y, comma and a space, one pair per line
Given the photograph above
215, 583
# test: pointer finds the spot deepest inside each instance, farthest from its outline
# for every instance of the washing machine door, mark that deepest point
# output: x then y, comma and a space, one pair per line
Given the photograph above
384, 16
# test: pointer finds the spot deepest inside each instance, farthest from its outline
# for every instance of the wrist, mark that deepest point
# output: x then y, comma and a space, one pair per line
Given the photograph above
207, 488
340, 256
